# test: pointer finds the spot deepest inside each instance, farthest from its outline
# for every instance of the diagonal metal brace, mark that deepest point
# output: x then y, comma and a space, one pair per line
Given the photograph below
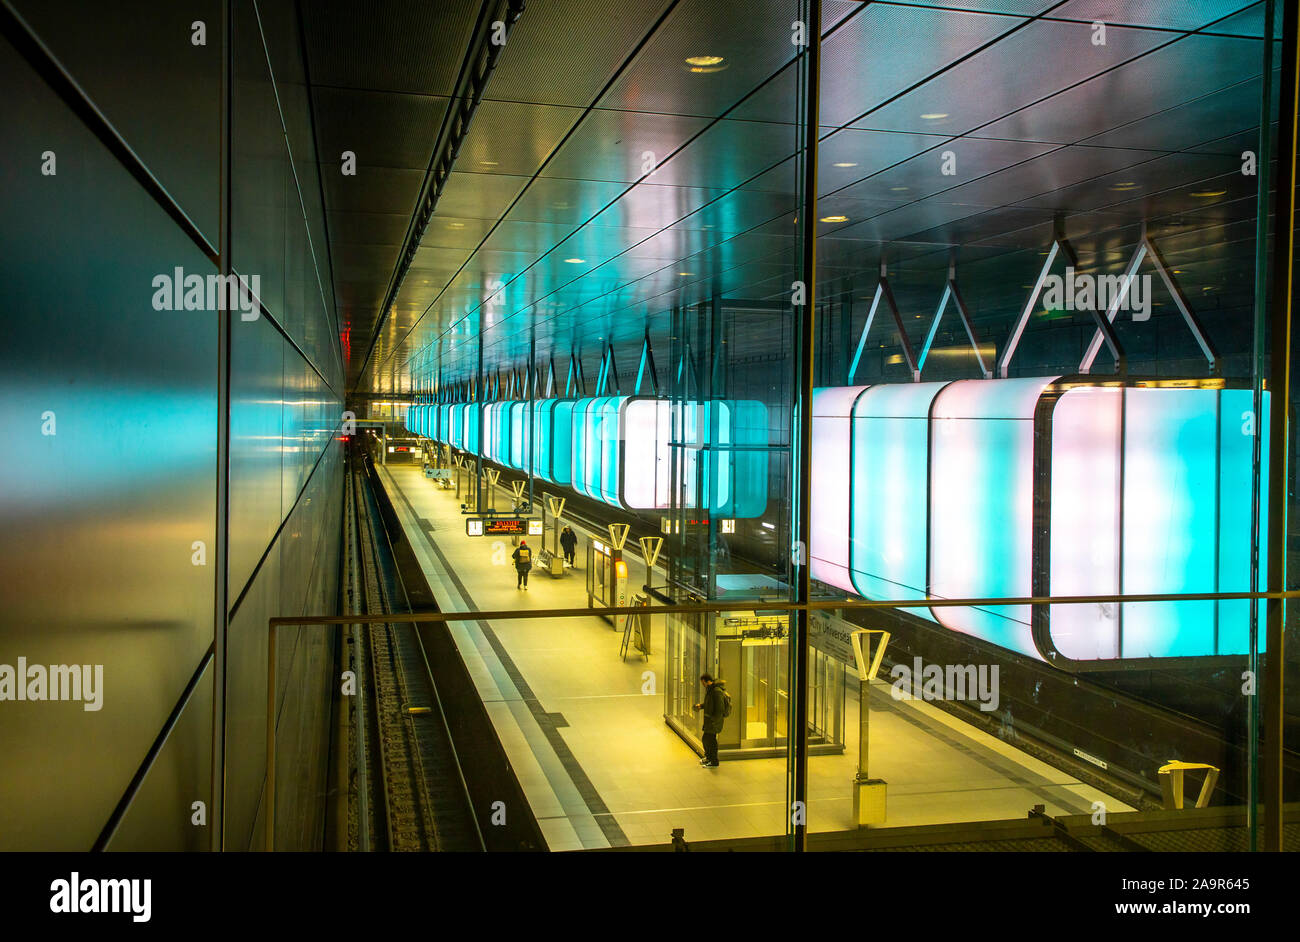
884, 291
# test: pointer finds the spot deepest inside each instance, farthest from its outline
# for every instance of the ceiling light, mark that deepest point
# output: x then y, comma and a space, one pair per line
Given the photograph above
899, 189
1124, 186
845, 164
835, 219
575, 261
1209, 193
935, 115
705, 64
685, 273
488, 163
455, 225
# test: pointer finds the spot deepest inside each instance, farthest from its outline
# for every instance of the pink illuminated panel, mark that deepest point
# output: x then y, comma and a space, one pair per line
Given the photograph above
982, 505
1085, 529
831, 469
647, 428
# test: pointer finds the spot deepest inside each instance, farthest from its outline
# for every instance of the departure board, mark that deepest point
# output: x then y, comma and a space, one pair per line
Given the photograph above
502, 526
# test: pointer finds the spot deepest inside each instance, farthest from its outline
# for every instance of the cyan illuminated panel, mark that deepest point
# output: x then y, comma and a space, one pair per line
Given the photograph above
832, 479
1085, 519
457, 425
717, 432
521, 437
741, 459
596, 447
1171, 438
580, 464
562, 442
982, 505
444, 422
609, 438
734, 479
489, 418
496, 439
540, 459
1237, 427
888, 538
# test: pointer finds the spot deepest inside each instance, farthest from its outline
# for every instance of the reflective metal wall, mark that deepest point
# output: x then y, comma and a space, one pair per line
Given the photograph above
118, 549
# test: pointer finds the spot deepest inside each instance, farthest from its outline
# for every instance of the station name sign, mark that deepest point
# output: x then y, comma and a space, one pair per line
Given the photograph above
503, 526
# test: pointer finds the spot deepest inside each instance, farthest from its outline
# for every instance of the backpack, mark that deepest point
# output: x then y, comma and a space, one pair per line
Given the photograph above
726, 703
525, 556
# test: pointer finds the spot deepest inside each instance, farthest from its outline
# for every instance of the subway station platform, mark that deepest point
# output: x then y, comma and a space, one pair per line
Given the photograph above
601, 768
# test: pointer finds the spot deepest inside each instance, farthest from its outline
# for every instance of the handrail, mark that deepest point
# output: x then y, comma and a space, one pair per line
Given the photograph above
774, 606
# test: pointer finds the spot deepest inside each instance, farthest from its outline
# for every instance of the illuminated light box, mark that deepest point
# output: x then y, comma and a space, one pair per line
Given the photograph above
1085, 519
562, 442
833, 476
605, 482
543, 415
726, 452
982, 505
582, 425
521, 437
647, 458
889, 535
1183, 525
1237, 427
741, 451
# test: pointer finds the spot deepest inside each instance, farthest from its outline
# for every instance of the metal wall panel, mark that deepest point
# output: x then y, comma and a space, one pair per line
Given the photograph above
101, 517
116, 50
161, 816
256, 389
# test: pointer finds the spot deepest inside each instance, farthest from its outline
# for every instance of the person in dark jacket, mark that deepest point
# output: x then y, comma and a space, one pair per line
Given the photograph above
523, 558
714, 707
568, 543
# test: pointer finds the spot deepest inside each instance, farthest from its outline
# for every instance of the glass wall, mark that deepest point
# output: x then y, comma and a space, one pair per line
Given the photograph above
1018, 427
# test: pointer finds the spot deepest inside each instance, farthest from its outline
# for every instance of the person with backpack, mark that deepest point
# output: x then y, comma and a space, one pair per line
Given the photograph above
716, 706
568, 543
523, 558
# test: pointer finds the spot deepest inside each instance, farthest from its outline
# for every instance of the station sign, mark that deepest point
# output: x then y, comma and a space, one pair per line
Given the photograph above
503, 526
831, 634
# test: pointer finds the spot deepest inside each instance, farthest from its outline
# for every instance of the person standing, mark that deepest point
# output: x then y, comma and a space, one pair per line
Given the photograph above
716, 706
568, 543
523, 558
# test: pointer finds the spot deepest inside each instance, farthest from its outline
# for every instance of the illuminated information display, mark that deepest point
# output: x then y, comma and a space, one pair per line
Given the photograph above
502, 526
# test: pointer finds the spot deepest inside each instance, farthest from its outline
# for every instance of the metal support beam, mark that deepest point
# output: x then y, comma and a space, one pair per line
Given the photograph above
886, 293
1009, 351
1284, 246
799, 646
646, 367
1193, 323
951, 292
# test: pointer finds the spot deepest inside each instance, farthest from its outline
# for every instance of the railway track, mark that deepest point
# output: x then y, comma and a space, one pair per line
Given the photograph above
409, 793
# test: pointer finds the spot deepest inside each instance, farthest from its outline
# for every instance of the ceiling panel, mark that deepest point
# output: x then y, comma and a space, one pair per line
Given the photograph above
1167, 14
387, 45
539, 233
